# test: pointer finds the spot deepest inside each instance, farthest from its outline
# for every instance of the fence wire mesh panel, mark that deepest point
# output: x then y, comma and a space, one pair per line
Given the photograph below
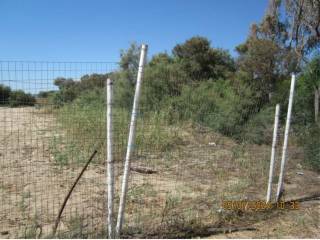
45, 142
195, 148
199, 152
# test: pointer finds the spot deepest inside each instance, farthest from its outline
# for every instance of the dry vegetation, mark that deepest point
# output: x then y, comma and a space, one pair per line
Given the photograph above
33, 185
199, 170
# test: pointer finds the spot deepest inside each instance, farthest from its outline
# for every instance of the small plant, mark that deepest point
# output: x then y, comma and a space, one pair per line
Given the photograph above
137, 194
170, 204
238, 151
65, 154
34, 229
311, 145
59, 155
23, 205
76, 227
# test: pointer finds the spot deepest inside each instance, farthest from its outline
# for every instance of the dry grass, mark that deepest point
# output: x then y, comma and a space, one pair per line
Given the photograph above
196, 171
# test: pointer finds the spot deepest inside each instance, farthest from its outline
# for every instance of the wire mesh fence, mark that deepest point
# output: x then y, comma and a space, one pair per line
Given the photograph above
187, 159
43, 150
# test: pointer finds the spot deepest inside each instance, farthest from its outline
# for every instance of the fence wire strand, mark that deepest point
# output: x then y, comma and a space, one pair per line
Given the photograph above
196, 158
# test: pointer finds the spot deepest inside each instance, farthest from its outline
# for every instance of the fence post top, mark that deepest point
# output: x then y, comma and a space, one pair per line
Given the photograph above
144, 46
109, 81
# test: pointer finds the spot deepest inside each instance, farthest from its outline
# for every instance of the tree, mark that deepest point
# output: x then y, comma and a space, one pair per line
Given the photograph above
164, 78
45, 94
160, 58
265, 55
259, 59
68, 90
63, 83
312, 75
303, 17
93, 81
4, 94
277, 45
129, 62
200, 61
20, 98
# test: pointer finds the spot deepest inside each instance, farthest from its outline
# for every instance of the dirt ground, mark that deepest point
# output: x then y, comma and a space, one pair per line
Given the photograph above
32, 186
191, 182
302, 223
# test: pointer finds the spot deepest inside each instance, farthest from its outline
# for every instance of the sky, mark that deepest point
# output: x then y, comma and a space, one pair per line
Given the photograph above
96, 30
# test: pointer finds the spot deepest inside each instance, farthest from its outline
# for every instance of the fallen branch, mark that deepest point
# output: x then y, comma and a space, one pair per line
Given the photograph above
229, 229
69, 194
182, 232
314, 196
143, 170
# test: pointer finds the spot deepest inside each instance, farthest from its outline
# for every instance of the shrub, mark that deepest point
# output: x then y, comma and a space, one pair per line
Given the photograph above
45, 94
88, 122
214, 104
4, 94
123, 91
63, 96
259, 128
161, 82
310, 140
20, 98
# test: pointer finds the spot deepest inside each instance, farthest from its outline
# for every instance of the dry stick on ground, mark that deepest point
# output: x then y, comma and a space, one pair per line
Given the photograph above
69, 194
314, 196
213, 230
206, 231
230, 229
144, 170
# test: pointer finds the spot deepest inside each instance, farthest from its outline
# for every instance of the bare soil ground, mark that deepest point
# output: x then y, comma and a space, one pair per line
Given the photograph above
193, 179
302, 223
209, 168
32, 185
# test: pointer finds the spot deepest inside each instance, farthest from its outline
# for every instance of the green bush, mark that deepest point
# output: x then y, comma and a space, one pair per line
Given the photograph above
20, 98
63, 96
87, 125
45, 94
259, 128
310, 140
4, 94
123, 91
162, 81
217, 105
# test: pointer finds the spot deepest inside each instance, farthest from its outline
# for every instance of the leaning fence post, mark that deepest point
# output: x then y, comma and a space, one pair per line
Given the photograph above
126, 171
110, 174
286, 136
273, 152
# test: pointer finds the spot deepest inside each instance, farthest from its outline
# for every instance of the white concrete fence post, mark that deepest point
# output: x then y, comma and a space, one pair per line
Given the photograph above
110, 167
286, 138
124, 187
273, 152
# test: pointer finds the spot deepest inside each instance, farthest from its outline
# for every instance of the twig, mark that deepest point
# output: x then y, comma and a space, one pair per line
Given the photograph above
230, 229
69, 194
314, 196
143, 170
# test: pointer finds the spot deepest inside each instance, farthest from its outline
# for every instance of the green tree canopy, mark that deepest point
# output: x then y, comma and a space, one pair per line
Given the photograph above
4, 93
200, 61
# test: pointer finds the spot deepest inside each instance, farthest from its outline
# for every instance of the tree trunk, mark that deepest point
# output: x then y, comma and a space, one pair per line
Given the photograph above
316, 104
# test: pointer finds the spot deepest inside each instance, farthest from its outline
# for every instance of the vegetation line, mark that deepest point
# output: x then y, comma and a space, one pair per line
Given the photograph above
69, 193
